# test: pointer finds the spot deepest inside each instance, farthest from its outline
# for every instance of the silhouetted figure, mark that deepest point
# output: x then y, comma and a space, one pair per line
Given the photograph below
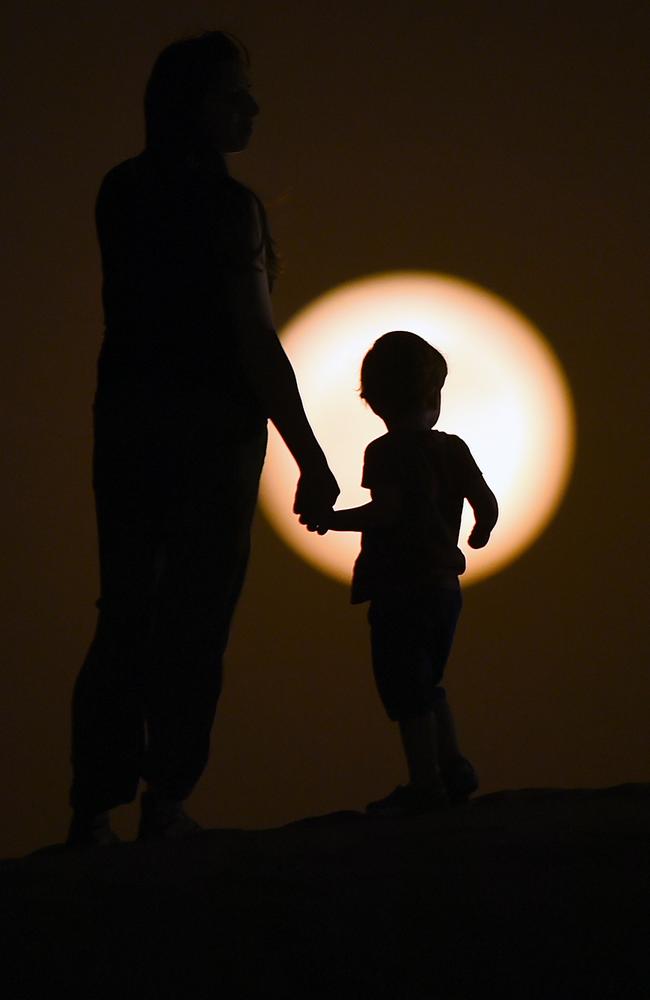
409, 563
189, 371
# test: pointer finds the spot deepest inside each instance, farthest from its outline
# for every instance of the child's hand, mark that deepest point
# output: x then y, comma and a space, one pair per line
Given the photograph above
478, 538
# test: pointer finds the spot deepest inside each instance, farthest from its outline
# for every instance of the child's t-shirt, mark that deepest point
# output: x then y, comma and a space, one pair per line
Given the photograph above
434, 472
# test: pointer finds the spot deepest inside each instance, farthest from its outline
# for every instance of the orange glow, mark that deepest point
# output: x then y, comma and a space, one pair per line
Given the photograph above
506, 396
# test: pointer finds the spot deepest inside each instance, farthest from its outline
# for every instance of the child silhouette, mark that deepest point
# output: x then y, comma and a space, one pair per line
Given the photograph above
409, 563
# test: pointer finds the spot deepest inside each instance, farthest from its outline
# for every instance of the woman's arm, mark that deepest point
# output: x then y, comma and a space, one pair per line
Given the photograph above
272, 379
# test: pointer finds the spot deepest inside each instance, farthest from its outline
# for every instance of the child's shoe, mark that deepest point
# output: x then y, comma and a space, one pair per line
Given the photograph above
460, 780
91, 830
164, 819
410, 800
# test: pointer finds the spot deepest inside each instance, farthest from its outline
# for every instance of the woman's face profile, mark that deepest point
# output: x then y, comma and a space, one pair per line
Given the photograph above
228, 110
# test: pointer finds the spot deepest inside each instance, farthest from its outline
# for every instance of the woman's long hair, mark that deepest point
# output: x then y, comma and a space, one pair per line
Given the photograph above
182, 75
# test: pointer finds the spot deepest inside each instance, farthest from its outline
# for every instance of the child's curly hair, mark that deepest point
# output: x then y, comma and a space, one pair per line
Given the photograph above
400, 371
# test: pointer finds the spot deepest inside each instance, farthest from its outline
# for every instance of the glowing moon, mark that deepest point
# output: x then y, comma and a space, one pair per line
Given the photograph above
506, 395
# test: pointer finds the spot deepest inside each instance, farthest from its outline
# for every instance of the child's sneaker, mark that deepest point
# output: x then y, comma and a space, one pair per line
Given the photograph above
460, 780
409, 800
164, 819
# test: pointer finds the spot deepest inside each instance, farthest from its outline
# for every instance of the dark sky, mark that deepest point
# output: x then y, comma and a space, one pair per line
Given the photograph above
503, 143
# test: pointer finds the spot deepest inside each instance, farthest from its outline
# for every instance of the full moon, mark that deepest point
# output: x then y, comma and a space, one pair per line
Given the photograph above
506, 395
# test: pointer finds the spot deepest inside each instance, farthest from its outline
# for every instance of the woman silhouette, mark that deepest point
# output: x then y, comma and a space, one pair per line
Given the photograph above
189, 370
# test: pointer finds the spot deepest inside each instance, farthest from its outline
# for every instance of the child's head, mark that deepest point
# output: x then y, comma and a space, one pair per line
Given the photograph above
402, 374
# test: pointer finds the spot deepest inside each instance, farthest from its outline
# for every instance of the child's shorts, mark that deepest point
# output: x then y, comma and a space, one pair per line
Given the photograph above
411, 636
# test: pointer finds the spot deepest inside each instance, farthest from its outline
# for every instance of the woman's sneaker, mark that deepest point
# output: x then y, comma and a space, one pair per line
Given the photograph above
460, 780
164, 819
410, 800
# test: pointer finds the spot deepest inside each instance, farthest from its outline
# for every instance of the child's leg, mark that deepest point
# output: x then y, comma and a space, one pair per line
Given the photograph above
402, 674
420, 741
459, 776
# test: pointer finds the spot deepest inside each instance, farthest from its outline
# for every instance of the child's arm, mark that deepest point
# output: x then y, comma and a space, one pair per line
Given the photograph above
383, 509
486, 512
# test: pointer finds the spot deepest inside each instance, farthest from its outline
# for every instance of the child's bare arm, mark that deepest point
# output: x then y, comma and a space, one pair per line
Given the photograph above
383, 508
486, 512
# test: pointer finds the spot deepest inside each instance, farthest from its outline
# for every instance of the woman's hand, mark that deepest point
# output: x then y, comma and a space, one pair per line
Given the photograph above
316, 494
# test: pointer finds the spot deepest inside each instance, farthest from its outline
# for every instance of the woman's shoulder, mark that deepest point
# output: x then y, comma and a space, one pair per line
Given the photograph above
244, 206
127, 172
239, 192
121, 182
146, 178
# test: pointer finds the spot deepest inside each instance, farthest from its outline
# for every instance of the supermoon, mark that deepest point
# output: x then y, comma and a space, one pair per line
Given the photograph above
506, 395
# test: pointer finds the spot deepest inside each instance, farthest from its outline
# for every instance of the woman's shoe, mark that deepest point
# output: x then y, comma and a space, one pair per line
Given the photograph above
164, 819
460, 779
410, 800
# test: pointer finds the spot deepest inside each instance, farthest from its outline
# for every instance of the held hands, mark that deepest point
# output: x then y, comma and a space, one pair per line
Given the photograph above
315, 496
320, 522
